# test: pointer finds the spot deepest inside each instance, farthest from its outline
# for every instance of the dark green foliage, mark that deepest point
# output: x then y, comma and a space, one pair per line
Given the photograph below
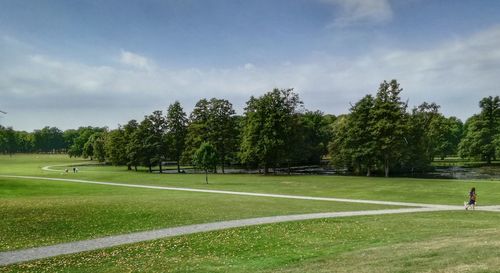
147, 146
176, 123
84, 133
267, 136
48, 139
134, 146
116, 147
482, 132
95, 147
311, 138
213, 121
8, 140
389, 126
421, 144
447, 133
379, 134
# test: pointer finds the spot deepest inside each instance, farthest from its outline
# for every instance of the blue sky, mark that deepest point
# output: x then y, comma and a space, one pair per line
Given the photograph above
73, 63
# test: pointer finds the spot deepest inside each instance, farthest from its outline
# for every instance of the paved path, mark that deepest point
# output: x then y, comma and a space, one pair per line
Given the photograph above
25, 255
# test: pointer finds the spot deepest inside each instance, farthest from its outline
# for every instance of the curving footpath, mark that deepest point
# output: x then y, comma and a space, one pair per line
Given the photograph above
24, 255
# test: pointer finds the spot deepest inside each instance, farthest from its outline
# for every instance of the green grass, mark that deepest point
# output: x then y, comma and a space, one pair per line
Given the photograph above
36, 213
422, 242
436, 191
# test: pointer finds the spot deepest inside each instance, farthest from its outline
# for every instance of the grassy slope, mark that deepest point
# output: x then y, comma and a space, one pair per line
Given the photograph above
422, 242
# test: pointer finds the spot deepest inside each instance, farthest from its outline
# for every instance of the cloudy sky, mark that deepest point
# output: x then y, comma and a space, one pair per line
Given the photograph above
102, 63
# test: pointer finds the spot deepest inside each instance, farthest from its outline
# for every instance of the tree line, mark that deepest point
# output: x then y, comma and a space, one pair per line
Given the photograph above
379, 134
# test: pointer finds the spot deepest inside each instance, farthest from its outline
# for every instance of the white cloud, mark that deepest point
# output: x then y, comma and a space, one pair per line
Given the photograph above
135, 60
361, 11
249, 66
456, 75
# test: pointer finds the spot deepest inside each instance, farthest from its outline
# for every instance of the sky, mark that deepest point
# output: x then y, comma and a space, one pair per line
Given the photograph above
102, 63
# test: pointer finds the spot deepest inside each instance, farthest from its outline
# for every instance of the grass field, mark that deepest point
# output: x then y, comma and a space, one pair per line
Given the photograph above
36, 213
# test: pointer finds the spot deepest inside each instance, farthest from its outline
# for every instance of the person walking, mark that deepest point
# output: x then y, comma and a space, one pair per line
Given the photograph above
472, 199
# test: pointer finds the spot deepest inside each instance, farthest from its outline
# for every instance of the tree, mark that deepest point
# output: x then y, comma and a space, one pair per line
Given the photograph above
197, 130
84, 133
155, 138
213, 121
133, 138
268, 128
482, 130
205, 158
340, 153
447, 133
420, 140
176, 123
222, 131
147, 145
48, 139
8, 143
389, 127
95, 147
312, 134
115, 147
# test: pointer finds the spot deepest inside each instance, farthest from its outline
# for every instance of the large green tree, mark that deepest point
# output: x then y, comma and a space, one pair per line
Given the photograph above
133, 138
116, 147
447, 133
268, 128
360, 141
420, 143
389, 126
212, 121
176, 123
482, 131
312, 135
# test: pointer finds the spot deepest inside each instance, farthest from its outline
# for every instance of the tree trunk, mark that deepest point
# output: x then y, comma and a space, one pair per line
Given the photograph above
150, 170
159, 165
223, 167
178, 167
206, 176
129, 168
266, 169
488, 160
368, 173
386, 166
135, 168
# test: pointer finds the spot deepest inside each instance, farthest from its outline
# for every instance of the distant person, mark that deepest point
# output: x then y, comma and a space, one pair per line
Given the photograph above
74, 169
472, 199
66, 170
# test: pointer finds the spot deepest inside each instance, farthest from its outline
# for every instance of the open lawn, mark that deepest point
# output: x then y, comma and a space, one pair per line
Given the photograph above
423, 242
42, 213
436, 191
37, 212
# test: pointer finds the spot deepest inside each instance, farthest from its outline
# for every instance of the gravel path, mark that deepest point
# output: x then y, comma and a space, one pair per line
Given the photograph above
25, 255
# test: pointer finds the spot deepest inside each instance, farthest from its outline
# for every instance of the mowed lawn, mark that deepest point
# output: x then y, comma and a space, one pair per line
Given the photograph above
36, 213
433, 191
419, 242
